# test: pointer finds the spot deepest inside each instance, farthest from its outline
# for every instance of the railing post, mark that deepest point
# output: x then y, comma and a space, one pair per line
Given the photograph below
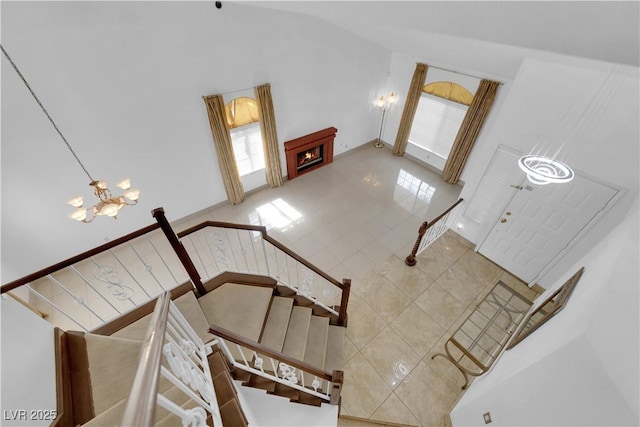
411, 259
158, 214
336, 387
344, 301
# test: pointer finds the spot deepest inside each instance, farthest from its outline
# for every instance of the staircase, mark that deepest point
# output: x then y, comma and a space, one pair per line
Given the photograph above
274, 320
103, 363
290, 325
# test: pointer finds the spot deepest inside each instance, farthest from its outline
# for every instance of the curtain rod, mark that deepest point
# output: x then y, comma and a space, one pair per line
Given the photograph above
458, 72
235, 91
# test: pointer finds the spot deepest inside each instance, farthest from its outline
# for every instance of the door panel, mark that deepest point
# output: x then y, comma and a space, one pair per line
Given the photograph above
540, 221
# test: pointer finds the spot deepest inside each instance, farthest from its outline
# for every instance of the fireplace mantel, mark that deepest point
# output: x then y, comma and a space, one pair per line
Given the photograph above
318, 147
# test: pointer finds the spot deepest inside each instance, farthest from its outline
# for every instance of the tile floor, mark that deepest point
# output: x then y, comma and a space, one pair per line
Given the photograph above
358, 218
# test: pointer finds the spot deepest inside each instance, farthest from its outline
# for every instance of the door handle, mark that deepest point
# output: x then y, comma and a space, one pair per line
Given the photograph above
503, 220
519, 187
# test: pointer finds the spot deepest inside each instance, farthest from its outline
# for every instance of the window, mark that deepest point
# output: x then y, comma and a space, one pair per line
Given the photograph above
242, 119
247, 147
436, 124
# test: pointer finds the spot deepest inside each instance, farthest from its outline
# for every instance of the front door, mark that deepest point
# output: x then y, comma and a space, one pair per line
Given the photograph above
540, 221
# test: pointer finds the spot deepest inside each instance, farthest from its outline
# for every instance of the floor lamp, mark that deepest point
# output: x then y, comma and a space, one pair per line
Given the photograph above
384, 103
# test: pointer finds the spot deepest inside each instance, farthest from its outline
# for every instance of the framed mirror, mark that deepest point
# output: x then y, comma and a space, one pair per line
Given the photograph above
547, 309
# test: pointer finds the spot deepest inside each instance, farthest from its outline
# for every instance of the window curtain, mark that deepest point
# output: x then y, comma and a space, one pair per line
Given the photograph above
410, 106
224, 149
469, 130
272, 167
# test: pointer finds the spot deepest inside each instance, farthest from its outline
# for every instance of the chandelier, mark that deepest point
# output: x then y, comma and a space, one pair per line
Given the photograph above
542, 170
107, 205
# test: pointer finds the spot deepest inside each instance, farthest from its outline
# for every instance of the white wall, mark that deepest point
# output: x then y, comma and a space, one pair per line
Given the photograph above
124, 81
544, 102
28, 367
581, 368
262, 409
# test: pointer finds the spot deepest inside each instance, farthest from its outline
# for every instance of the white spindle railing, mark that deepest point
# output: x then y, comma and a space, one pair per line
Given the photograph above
276, 370
217, 249
430, 231
172, 339
103, 286
186, 356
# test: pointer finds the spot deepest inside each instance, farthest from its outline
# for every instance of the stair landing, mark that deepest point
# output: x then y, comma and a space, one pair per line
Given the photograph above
238, 308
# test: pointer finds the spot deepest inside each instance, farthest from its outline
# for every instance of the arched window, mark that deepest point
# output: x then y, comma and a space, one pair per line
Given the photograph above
440, 113
244, 126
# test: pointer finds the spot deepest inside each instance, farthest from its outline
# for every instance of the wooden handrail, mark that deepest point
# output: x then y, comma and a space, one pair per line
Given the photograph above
75, 259
411, 259
181, 252
268, 351
141, 404
344, 301
265, 236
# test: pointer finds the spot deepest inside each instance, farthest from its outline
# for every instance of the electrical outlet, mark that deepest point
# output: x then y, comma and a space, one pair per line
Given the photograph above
487, 417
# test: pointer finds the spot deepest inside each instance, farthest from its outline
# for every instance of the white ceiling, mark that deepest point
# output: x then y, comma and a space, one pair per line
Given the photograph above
601, 30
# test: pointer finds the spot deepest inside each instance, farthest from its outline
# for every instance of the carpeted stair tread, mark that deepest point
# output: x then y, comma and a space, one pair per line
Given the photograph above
113, 415
110, 417
297, 331
112, 366
178, 397
275, 329
314, 353
188, 306
335, 348
238, 308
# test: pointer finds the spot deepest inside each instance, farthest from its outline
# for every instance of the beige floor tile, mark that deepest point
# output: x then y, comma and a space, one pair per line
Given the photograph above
418, 329
394, 411
364, 390
363, 323
479, 267
460, 284
445, 369
390, 356
432, 262
383, 296
443, 307
450, 247
348, 350
426, 395
410, 280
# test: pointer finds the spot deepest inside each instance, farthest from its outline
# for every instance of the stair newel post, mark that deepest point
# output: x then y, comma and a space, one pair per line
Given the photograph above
346, 289
158, 214
336, 387
411, 259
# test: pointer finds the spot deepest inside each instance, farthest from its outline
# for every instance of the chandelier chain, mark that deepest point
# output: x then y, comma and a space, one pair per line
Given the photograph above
46, 113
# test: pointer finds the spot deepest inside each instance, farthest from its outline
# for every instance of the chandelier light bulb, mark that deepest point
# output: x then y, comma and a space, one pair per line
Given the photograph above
125, 184
109, 209
379, 102
78, 214
102, 185
76, 202
392, 98
132, 194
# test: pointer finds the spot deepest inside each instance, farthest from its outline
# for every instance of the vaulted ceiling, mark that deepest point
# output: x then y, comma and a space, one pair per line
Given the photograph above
601, 30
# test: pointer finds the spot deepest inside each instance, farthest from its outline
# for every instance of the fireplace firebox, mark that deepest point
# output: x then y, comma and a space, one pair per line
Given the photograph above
309, 152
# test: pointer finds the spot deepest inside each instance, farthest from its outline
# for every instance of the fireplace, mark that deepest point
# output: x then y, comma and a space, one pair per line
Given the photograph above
309, 152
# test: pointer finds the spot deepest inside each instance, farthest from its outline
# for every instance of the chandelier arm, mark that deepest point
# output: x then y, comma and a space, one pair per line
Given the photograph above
46, 112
